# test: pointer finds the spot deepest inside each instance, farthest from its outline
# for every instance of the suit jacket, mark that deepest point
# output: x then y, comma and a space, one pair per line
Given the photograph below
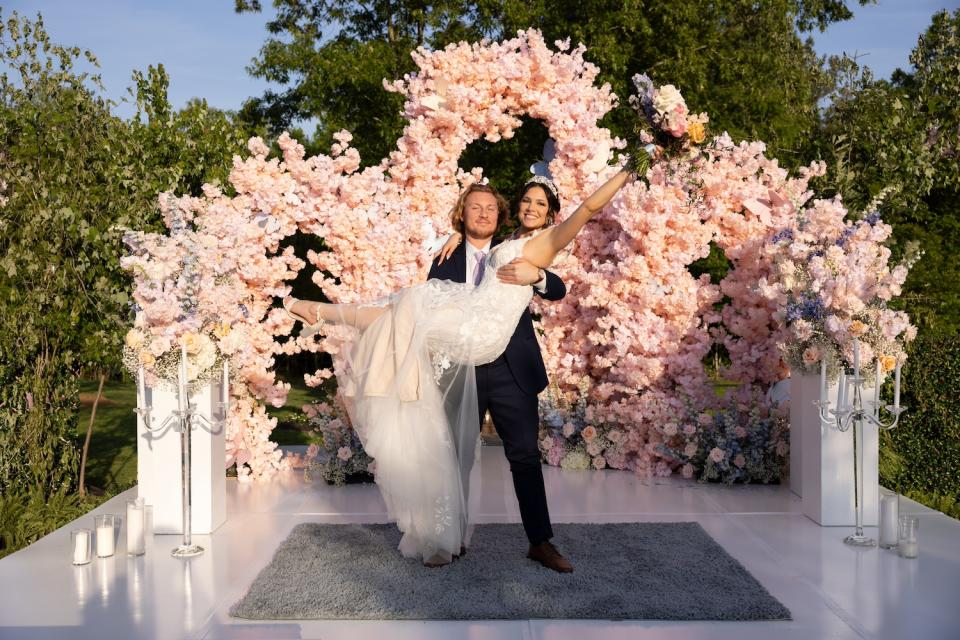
523, 352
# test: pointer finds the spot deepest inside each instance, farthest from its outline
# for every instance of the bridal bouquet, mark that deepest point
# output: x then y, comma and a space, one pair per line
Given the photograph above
665, 128
832, 282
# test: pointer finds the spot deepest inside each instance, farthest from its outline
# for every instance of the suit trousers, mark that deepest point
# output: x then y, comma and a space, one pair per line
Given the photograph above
516, 417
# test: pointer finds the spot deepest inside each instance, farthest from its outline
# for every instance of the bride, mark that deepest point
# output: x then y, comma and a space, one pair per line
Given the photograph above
409, 387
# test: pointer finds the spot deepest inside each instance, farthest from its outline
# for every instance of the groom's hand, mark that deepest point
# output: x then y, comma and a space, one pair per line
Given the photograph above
519, 272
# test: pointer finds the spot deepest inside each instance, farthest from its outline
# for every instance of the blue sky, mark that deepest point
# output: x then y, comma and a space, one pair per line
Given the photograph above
205, 46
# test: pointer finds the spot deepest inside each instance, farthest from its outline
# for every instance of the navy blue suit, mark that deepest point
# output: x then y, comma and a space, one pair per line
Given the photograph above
508, 388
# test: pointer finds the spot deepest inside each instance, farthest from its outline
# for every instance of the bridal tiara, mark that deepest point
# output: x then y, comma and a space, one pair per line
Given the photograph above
546, 182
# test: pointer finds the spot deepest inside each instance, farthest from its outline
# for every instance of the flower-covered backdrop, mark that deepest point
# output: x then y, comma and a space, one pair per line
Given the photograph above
630, 336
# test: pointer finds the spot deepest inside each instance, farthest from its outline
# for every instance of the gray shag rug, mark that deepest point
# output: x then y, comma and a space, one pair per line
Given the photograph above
633, 571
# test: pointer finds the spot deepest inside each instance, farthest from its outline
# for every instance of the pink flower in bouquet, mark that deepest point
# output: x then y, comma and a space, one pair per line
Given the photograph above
589, 433
344, 453
802, 329
782, 448
740, 432
599, 462
555, 455
689, 429
717, 454
670, 429
312, 451
594, 449
687, 470
811, 355
568, 430
615, 435
309, 410
739, 460
705, 419
690, 450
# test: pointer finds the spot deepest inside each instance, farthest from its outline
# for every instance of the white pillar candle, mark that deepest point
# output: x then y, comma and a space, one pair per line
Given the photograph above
141, 388
225, 388
81, 546
182, 379
896, 386
876, 389
889, 520
104, 536
823, 380
135, 527
842, 393
856, 358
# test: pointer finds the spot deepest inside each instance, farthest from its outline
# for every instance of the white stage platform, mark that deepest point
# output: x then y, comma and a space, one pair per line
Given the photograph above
833, 591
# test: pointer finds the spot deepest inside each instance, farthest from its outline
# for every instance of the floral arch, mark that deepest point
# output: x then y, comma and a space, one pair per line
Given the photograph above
631, 333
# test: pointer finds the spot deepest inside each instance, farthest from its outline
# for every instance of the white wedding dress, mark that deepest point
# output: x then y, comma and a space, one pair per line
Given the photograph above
410, 390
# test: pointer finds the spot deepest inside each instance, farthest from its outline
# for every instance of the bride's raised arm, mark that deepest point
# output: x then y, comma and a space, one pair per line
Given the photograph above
542, 249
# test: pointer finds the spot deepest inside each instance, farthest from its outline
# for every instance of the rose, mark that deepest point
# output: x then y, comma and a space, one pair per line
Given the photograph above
568, 430
888, 363
615, 436
221, 330
811, 355
599, 462
740, 432
716, 454
134, 339
594, 449
690, 450
192, 342
739, 460
344, 453
147, 359
697, 132
670, 429
858, 328
589, 433
667, 98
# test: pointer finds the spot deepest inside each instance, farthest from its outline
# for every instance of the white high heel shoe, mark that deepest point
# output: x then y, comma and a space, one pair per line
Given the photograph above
308, 328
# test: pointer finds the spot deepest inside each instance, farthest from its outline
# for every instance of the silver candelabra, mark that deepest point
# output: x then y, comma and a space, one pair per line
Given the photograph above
850, 412
188, 418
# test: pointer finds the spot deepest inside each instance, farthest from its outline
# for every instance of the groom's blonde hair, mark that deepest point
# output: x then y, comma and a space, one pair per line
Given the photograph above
503, 207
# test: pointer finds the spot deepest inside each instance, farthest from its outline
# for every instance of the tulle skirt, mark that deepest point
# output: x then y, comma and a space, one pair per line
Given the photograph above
410, 389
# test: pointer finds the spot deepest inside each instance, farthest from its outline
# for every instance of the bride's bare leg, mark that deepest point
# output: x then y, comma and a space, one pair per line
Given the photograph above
354, 315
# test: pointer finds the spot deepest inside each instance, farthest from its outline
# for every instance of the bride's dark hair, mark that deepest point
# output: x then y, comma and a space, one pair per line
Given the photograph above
553, 202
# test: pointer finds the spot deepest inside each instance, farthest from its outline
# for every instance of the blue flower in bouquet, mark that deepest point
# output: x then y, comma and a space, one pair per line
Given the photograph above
808, 308
783, 235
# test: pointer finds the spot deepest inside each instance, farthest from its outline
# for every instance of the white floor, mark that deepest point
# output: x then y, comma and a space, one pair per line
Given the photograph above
833, 591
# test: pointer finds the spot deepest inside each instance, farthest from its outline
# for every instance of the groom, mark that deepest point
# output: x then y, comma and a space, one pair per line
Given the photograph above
509, 385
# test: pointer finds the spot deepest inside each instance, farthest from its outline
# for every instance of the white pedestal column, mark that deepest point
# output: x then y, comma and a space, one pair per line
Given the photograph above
159, 470
821, 460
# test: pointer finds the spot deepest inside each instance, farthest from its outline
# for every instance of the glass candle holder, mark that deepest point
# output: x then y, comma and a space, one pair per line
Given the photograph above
105, 542
908, 547
136, 528
81, 541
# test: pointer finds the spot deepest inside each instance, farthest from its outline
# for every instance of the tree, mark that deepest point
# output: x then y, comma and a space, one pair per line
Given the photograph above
905, 134
71, 174
741, 60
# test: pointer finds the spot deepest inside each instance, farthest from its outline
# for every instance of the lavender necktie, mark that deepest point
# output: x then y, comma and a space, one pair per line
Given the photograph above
479, 267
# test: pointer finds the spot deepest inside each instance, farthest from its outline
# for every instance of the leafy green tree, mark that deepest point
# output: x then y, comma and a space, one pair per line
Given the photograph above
71, 174
741, 60
905, 134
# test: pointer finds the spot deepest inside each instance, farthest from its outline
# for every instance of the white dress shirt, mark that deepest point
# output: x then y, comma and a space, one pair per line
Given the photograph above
541, 285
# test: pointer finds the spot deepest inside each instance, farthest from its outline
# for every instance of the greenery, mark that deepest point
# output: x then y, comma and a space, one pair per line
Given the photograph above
924, 449
903, 134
